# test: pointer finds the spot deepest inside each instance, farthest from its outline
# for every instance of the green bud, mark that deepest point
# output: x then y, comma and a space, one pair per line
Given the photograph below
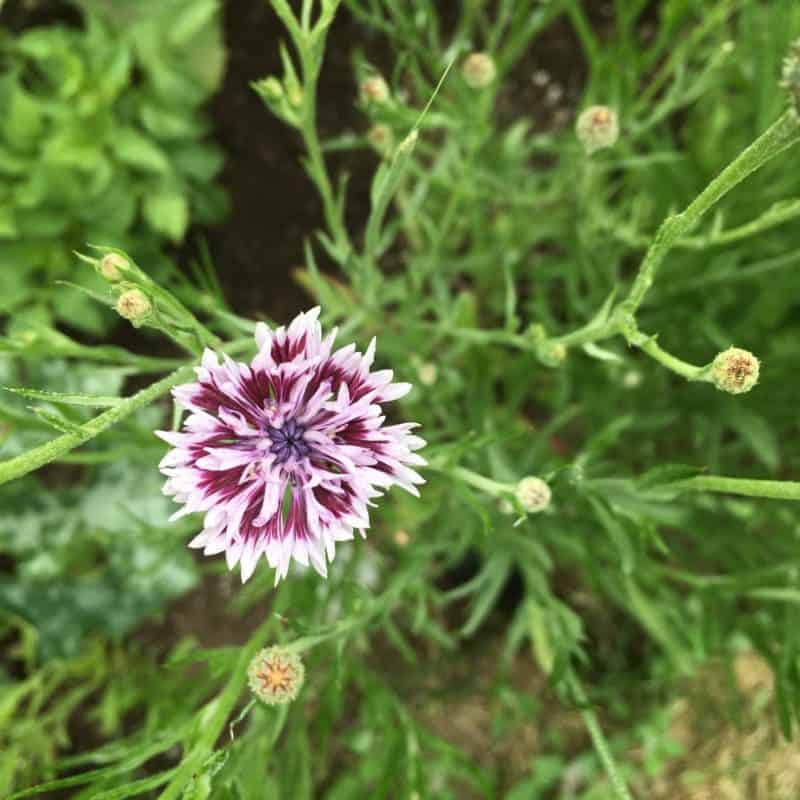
478, 70
134, 305
533, 494
597, 128
551, 354
374, 90
380, 136
270, 89
735, 371
111, 267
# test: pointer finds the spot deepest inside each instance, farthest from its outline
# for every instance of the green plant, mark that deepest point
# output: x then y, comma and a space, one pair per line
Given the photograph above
511, 276
103, 140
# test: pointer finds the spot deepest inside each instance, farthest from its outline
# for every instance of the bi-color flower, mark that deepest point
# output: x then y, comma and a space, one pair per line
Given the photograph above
285, 455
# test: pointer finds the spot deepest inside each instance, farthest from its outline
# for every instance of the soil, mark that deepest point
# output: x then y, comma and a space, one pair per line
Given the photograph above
274, 205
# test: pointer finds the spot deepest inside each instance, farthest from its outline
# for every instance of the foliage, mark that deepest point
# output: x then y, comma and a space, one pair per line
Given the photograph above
103, 140
559, 315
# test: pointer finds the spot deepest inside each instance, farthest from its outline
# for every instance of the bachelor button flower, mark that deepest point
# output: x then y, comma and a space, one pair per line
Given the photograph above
478, 70
597, 128
373, 89
275, 675
135, 306
735, 370
533, 494
284, 455
110, 266
380, 136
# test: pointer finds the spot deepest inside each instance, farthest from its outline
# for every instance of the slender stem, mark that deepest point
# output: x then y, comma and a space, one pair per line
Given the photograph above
598, 739
649, 345
782, 134
492, 487
216, 713
317, 167
56, 448
776, 490
772, 218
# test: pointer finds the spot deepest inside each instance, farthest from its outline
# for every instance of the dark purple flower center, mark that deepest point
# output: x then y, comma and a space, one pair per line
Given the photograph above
288, 441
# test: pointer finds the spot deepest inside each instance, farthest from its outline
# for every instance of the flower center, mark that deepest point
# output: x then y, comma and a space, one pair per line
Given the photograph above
288, 442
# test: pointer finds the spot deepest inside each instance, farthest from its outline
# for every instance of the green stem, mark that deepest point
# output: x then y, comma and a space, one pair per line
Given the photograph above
781, 135
598, 739
775, 490
28, 462
316, 161
216, 713
56, 448
779, 214
648, 344
492, 487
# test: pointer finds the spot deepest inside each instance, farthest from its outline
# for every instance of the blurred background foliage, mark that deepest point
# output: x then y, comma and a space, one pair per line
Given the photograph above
448, 640
104, 139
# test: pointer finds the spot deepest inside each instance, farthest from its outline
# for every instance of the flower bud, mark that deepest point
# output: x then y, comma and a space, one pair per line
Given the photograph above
550, 353
533, 494
735, 371
295, 96
374, 90
135, 306
427, 373
790, 79
110, 266
275, 675
597, 128
478, 70
505, 506
401, 538
270, 88
632, 379
380, 136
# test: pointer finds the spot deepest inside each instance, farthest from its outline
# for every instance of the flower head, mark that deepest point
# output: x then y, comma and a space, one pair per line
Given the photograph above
110, 266
275, 675
478, 70
285, 454
135, 306
374, 89
597, 128
533, 494
381, 138
735, 370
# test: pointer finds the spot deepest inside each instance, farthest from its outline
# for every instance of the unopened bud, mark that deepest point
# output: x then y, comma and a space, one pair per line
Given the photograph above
790, 79
374, 90
735, 371
551, 353
135, 306
401, 538
380, 136
631, 379
597, 128
478, 70
505, 506
295, 95
275, 675
110, 266
270, 88
533, 494
427, 373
